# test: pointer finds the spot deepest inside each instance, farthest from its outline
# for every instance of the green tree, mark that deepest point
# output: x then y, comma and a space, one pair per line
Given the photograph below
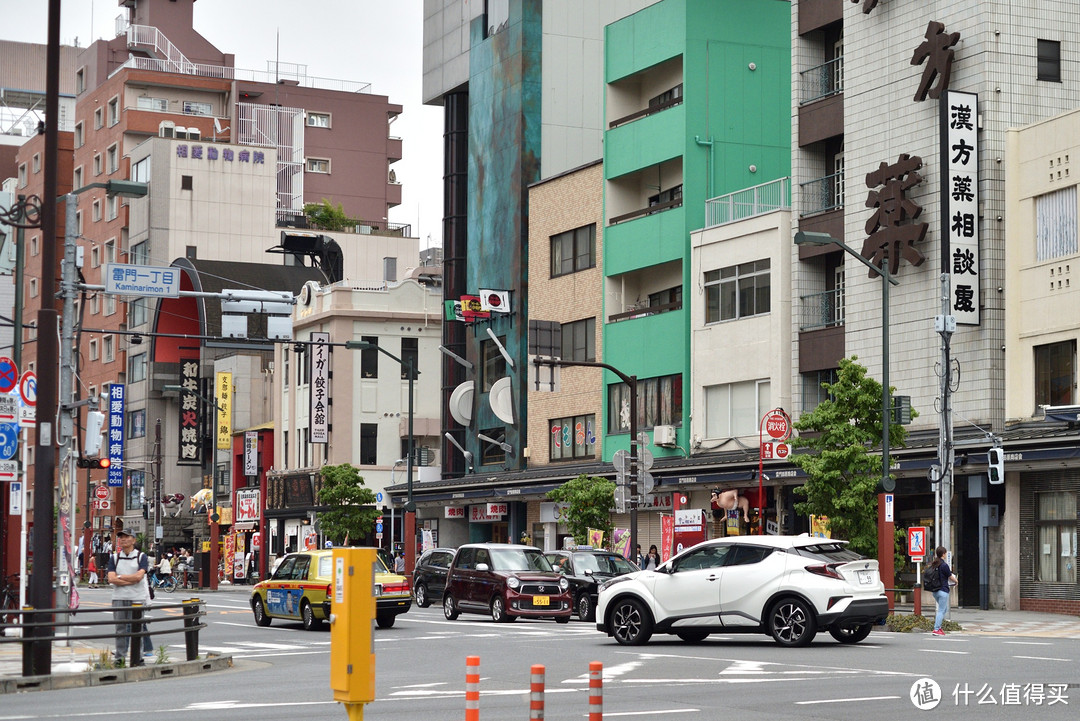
352, 511
326, 216
590, 500
842, 475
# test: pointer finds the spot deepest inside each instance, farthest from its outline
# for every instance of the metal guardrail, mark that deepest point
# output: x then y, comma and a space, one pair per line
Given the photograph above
822, 81
748, 202
821, 310
822, 194
39, 625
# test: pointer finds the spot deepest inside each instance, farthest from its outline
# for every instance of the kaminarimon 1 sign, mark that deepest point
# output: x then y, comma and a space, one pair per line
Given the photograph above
960, 202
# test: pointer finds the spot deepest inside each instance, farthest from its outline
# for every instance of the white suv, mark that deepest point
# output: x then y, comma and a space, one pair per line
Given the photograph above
789, 587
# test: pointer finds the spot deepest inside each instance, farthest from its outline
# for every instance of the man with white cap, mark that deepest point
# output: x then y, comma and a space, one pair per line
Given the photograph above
127, 575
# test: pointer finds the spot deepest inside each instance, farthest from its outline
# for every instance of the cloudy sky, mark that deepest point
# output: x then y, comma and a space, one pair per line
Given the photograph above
371, 41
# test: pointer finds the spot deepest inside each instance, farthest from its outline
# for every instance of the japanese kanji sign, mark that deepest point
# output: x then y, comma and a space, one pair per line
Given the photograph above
116, 435
960, 203
891, 232
247, 505
190, 446
320, 387
223, 394
936, 52
251, 453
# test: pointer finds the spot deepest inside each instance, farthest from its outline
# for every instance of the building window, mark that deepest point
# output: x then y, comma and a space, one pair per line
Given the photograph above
138, 313
114, 111
36, 162
93, 349
318, 120
369, 444
192, 107
159, 104
137, 423
738, 291
99, 118
492, 453
1055, 224
95, 257
813, 392
389, 272
1049, 61
95, 304
492, 364
22, 175
572, 437
96, 211
672, 195
573, 250
410, 354
671, 297
667, 97
659, 404
110, 304
140, 171
112, 209
34, 245
1055, 373
80, 137
318, 165
496, 16
579, 340
110, 250
735, 409
1055, 548
97, 164
80, 80
135, 490
76, 179
140, 254
186, 182
369, 357
113, 154
108, 352
137, 368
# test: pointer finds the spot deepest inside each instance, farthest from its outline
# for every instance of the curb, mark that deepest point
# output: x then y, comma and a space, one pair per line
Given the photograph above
113, 676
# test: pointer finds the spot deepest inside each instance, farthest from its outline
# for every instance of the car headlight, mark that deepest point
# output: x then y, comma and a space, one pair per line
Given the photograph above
612, 581
563, 584
513, 582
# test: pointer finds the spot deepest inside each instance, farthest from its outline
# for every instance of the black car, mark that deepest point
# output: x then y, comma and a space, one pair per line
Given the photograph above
586, 568
429, 575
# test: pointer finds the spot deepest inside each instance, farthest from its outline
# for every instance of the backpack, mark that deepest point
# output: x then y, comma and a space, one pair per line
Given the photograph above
932, 579
149, 586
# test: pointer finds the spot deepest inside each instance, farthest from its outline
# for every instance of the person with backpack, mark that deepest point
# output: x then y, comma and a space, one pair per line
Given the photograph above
938, 579
127, 575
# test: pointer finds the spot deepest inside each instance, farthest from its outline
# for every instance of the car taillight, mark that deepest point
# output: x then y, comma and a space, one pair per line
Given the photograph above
328, 592
826, 569
389, 588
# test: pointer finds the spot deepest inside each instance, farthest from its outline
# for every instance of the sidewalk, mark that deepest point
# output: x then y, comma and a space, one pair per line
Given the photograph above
1006, 623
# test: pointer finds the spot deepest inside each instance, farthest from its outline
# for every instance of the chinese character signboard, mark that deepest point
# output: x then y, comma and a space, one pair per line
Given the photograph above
937, 54
960, 203
247, 505
891, 230
320, 379
251, 453
190, 445
223, 384
116, 435
453, 511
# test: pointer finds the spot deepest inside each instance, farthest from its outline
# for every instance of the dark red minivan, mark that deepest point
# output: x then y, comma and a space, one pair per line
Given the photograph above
506, 581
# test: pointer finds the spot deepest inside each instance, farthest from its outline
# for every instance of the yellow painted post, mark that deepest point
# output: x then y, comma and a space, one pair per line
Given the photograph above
352, 629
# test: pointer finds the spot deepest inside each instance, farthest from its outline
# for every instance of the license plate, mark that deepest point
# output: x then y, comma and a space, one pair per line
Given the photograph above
866, 577
541, 601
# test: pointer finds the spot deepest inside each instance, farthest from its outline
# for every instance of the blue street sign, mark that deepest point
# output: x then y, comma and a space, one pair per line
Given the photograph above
378, 528
9, 440
378, 497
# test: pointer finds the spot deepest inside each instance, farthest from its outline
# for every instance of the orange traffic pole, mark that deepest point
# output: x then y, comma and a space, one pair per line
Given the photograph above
536, 693
596, 691
472, 688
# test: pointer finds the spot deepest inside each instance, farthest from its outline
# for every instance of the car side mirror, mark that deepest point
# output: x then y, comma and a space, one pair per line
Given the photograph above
588, 571
482, 567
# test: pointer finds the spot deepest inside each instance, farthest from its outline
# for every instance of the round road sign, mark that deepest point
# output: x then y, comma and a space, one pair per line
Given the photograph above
28, 388
101, 492
9, 374
777, 425
782, 450
9, 440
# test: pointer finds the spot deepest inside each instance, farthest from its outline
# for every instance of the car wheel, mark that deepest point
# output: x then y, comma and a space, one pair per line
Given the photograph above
449, 609
498, 610
630, 622
850, 633
792, 622
422, 599
562, 619
693, 636
585, 610
257, 608
307, 613
385, 620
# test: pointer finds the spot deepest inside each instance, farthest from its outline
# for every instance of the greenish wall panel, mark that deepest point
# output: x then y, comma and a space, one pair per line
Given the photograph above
645, 241
647, 37
645, 142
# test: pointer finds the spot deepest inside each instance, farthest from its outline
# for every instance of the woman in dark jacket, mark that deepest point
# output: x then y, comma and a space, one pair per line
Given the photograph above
941, 595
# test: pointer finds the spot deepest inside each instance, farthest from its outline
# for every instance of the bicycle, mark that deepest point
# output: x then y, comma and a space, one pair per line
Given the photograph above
10, 600
166, 582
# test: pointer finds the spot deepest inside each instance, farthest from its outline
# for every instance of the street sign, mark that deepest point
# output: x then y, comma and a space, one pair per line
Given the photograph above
621, 495
645, 458
9, 470
101, 492
27, 416
890, 508
781, 450
9, 440
28, 388
646, 481
621, 460
15, 499
9, 374
145, 280
9, 408
101, 504
378, 527
777, 425
916, 541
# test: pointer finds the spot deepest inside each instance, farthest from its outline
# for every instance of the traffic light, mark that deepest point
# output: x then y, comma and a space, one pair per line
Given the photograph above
92, 462
95, 421
995, 461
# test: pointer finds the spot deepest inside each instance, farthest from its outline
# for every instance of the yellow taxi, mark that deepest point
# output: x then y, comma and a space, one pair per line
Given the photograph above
299, 590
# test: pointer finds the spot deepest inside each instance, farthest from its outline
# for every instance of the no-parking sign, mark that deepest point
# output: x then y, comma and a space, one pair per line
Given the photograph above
916, 541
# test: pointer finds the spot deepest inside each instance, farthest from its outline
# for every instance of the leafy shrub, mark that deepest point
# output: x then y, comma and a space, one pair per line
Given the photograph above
907, 623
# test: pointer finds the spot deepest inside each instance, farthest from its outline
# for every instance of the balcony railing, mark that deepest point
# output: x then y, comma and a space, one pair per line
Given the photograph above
149, 37
746, 203
646, 112
822, 194
824, 80
659, 207
645, 311
259, 76
821, 310
289, 218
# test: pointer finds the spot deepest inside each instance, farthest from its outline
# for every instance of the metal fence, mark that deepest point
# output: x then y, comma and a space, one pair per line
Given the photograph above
822, 81
746, 203
821, 310
822, 194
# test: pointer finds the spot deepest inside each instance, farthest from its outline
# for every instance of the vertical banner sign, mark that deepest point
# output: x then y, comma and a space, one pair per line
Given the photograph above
116, 435
320, 379
223, 394
960, 202
190, 447
247, 505
251, 453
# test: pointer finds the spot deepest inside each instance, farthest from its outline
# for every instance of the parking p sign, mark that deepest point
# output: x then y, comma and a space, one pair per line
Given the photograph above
916, 541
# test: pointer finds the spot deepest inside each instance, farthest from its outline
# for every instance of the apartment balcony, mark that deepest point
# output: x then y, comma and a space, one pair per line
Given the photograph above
393, 149
821, 102
821, 310
648, 141
648, 239
748, 202
822, 195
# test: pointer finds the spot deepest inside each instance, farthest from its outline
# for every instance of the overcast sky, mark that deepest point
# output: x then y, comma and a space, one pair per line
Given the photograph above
374, 41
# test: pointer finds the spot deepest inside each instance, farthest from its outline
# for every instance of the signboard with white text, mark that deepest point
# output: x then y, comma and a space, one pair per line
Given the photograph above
960, 202
320, 386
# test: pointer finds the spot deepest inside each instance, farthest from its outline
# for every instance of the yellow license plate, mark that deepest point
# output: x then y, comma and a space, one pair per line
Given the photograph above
541, 601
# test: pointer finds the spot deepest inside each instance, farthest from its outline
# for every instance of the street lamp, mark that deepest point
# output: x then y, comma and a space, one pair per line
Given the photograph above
410, 507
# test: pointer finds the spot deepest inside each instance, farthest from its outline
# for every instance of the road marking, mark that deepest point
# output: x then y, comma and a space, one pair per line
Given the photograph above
652, 713
424, 685
847, 700
1030, 643
610, 672
1044, 658
941, 650
278, 654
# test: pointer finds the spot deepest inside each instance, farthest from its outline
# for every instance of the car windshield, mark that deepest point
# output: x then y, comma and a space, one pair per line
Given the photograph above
518, 559
385, 559
602, 563
827, 552
326, 566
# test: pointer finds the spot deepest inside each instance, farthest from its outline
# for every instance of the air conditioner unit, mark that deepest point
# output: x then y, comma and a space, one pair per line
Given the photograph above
194, 133
167, 129
181, 132
664, 436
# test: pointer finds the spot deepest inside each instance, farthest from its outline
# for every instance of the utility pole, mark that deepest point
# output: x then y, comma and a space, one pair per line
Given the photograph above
158, 535
945, 325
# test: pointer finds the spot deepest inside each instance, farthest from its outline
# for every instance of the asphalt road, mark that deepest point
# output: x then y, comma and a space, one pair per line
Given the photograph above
282, 672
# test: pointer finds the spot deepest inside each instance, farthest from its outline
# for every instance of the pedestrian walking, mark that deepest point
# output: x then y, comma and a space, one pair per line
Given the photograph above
938, 580
399, 563
93, 569
652, 559
127, 575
